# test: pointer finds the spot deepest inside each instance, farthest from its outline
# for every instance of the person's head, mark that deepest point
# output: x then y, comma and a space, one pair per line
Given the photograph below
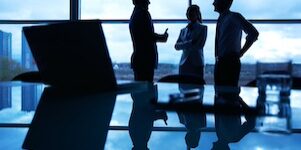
193, 13
222, 5
143, 3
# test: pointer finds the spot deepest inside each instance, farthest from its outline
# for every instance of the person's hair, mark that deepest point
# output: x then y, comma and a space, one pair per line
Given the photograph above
229, 3
138, 2
194, 8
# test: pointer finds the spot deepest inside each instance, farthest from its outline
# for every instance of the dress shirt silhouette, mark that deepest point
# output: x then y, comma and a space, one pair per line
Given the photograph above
228, 50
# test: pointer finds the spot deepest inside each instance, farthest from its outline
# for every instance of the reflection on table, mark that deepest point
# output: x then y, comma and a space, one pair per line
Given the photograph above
95, 119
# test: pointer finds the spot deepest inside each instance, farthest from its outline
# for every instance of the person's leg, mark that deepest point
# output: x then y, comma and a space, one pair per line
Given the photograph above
232, 75
226, 72
182, 69
144, 74
188, 69
218, 73
236, 72
200, 72
229, 72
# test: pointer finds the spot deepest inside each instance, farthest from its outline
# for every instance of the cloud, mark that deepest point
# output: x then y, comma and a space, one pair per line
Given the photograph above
106, 9
276, 42
122, 9
268, 8
14, 114
32, 9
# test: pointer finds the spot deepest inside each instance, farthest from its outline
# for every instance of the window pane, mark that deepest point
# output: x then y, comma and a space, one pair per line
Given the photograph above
12, 138
18, 104
256, 9
276, 41
34, 9
120, 47
121, 9
11, 56
120, 43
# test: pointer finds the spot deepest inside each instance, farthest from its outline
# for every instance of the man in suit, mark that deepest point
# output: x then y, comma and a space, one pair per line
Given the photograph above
228, 50
145, 56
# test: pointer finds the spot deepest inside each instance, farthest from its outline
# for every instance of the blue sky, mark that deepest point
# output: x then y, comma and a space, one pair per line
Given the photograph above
275, 41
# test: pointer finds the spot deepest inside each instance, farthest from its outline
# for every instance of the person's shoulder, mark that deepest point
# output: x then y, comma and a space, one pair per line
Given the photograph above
234, 13
184, 29
237, 15
202, 26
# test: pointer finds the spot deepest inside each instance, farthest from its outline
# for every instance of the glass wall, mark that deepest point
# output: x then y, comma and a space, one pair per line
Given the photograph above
122, 9
34, 9
12, 65
256, 9
276, 40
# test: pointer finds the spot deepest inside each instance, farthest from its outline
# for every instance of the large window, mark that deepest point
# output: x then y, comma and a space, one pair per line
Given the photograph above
275, 41
277, 21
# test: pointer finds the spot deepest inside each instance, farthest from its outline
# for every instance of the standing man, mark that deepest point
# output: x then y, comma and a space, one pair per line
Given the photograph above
228, 50
145, 56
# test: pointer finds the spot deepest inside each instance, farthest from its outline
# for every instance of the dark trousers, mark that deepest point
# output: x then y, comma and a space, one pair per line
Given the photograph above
145, 74
188, 69
226, 72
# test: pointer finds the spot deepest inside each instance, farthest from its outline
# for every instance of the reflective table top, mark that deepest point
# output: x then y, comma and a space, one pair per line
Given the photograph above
34, 116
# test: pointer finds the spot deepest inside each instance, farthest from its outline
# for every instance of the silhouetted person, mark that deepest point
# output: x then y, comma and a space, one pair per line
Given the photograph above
143, 116
229, 128
145, 56
228, 50
191, 41
193, 120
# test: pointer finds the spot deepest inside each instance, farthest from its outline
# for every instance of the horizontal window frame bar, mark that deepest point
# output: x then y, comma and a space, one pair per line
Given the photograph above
126, 128
162, 21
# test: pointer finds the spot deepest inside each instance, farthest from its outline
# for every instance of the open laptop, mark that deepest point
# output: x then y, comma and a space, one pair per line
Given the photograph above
72, 54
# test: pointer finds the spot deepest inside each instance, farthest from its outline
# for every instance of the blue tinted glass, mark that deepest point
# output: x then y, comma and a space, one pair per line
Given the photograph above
34, 9
256, 9
121, 9
12, 138
275, 41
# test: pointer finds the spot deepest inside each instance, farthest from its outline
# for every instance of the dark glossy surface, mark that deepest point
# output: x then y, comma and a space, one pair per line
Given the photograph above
109, 120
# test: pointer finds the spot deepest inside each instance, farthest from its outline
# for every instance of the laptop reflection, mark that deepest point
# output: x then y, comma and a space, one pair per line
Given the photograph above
70, 120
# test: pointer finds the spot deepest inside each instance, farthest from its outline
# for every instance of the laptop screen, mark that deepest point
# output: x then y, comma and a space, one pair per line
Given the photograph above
72, 54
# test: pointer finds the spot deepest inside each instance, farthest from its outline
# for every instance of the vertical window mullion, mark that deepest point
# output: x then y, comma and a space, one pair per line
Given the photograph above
189, 3
75, 10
